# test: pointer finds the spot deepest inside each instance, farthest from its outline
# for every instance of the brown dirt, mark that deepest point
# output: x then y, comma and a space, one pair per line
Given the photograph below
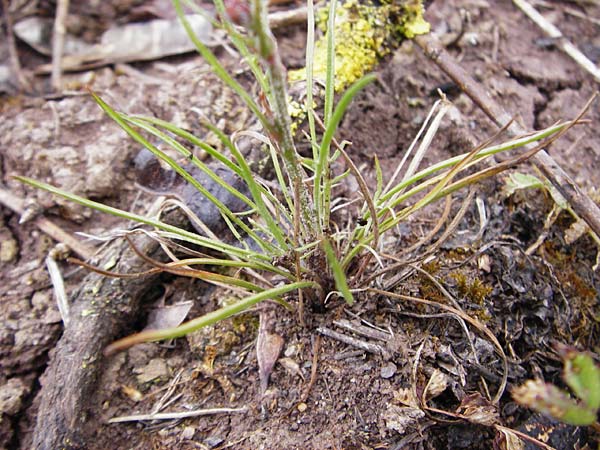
528, 301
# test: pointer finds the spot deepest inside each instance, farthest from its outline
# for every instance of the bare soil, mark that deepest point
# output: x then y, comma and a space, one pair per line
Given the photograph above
323, 393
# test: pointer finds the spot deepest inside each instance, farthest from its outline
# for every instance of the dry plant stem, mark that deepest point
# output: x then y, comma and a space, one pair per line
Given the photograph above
313, 370
287, 18
12, 48
101, 310
438, 226
452, 226
580, 15
178, 415
525, 437
580, 202
562, 42
366, 346
363, 330
17, 205
297, 259
58, 43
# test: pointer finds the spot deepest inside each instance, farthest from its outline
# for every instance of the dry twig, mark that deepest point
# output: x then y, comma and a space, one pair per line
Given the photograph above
17, 205
581, 203
365, 346
561, 41
178, 415
58, 43
12, 48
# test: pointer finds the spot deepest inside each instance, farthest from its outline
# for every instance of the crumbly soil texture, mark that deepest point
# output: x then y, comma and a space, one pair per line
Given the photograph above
385, 373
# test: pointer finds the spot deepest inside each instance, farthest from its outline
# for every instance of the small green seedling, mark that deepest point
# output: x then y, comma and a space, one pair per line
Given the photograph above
582, 376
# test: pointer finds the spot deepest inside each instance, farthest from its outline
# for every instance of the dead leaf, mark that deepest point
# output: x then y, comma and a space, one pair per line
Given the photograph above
168, 316
268, 348
507, 440
438, 382
406, 397
476, 409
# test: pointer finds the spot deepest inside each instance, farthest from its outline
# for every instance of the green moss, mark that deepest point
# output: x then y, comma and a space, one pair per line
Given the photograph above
475, 291
364, 33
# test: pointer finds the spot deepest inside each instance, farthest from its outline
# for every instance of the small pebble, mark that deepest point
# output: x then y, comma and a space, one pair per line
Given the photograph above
388, 370
213, 441
8, 250
155, 369
301, 407
188, 433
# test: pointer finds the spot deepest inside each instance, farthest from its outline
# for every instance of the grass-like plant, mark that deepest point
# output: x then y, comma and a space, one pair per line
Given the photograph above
287, 241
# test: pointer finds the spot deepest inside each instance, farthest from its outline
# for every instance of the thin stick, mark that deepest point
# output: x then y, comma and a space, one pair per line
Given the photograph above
58, 43
581, 203
365, 346
313, 369
287, 18
561, 41
12, 48
177, 415
17, 205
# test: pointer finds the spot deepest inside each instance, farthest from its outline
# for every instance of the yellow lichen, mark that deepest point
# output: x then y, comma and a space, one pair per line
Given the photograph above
364, 33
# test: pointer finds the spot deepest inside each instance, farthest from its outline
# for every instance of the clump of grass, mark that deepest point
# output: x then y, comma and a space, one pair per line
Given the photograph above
286, 239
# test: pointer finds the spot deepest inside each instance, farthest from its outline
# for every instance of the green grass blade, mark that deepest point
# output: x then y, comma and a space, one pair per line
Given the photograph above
206, 320
214, 153
330, 74
310, 56
256, 190
199, 164
219, 70
320, 192
180, 170
230, 263
177, 233
240, 44
339, 276
489, 151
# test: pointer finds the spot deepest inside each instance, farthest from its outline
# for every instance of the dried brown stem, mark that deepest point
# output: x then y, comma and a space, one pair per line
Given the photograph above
58, 43
12, 49
17, 205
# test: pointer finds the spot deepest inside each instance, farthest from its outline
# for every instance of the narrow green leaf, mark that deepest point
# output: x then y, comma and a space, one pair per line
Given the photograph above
208, 319
339, 276
219, 70
310, 56
583, 377
321, 193
330, 75
177, 233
